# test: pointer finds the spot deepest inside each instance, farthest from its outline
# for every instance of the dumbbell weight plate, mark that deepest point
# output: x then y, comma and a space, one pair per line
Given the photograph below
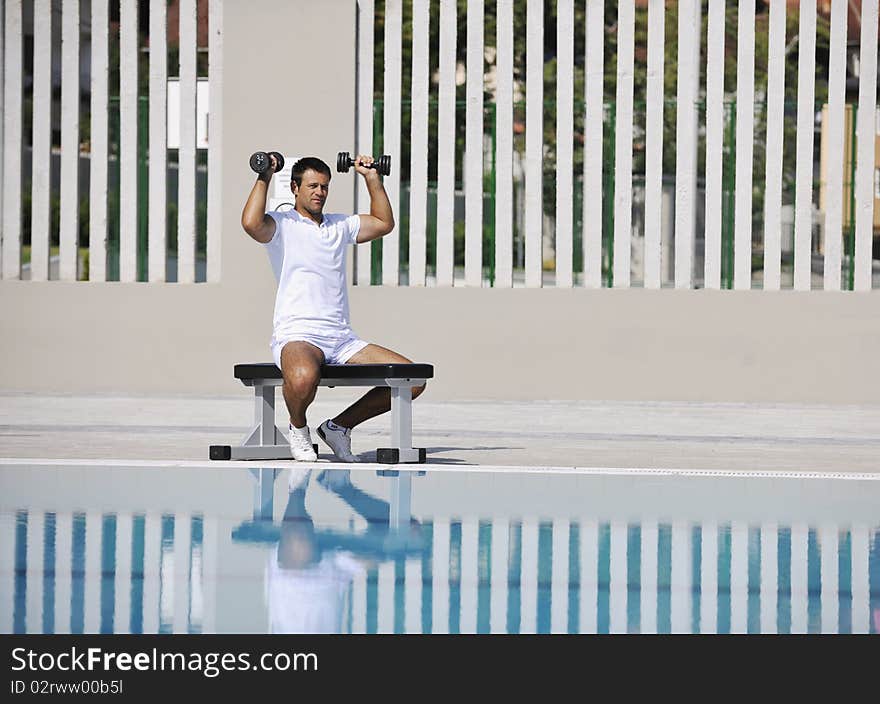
259, 161
385, 165
278, 158
343, 162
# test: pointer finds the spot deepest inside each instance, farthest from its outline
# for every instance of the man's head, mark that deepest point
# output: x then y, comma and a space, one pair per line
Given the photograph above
310, 183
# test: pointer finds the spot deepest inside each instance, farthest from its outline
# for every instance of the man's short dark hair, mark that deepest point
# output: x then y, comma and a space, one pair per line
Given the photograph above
305, 164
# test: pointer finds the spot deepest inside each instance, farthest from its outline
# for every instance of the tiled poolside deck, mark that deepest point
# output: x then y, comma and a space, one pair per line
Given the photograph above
739, 437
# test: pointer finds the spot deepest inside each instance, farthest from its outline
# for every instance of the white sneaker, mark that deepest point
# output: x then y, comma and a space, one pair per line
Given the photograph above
301, 444
339, 441
299, 478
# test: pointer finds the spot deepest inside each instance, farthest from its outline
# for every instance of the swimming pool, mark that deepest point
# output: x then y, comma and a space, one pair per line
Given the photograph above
228, 550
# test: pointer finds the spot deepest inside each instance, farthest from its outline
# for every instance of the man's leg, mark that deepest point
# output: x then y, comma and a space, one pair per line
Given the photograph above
301, 368
378, 400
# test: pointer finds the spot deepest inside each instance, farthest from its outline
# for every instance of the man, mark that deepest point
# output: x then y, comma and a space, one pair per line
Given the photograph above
308, 250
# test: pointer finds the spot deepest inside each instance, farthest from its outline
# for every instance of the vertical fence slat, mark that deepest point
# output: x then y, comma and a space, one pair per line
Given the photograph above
564, 141
773, 168
686, 141
69, 206
12, 134
365, 125
589, 575
623, 140
158, 189
714, 141
63, 575
504, 147
528, 577
799, 573
680, 578
469, 581
34, 572
559, 575
803, 220
446, 144
709, 577
180, 554
418, 216
440, 577
122, 561
859, 575
769, 577
186, 160
534, 154
392, 90
833, 231
617, 578
498, 586
215, 131
128, 139
41, 169
7, 576
151, 570
2, 121
594, 99
412, 589
98, 176
829, 574
745, 130
739, 577
473, 149
648, 577
91, 614
385, 598
654, 145
865, 141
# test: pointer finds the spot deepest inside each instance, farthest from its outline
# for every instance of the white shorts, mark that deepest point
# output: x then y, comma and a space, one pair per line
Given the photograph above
337, 349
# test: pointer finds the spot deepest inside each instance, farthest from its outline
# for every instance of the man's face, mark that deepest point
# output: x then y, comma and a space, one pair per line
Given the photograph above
312, 194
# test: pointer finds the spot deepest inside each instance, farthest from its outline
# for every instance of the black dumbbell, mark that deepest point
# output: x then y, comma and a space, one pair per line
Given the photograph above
260, 161
344, 162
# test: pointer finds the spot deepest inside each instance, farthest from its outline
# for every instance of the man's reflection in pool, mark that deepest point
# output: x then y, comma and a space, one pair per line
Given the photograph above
310, 574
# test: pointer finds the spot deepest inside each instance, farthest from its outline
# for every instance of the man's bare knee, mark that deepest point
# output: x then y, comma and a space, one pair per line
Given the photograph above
301, 380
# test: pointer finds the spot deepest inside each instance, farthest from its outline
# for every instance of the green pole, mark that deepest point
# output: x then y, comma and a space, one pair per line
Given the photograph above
608, 230
727, 231
851, 230
142, 186
492, 175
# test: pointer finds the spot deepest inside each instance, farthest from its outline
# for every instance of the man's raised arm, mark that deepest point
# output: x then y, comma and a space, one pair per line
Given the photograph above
380, 221
254, 218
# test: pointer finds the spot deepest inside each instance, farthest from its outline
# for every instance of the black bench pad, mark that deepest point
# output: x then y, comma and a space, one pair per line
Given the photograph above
268, 370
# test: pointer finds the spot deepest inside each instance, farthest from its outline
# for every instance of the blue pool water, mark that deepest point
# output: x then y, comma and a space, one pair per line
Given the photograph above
145, 550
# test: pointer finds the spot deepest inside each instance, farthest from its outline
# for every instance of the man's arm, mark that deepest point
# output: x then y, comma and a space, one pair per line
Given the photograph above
254, 218
380, 221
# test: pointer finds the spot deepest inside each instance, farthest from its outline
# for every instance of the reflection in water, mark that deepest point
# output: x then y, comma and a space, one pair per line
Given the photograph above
310, 573
152, 572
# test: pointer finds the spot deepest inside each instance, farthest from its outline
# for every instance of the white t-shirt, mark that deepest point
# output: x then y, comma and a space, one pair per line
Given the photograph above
310, 600
309, 264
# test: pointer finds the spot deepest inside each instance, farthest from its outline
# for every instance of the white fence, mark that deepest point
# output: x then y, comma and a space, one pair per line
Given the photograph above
141, 189
500, 227
151, 572
608, 254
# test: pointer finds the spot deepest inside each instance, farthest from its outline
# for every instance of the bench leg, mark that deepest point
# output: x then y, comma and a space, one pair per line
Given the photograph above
265, 441
264, 493
401, 430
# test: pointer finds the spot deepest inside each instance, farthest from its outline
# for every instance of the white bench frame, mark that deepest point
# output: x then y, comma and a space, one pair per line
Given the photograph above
266, 441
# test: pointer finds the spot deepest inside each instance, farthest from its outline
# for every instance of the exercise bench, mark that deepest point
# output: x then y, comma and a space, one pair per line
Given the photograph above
266, 441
